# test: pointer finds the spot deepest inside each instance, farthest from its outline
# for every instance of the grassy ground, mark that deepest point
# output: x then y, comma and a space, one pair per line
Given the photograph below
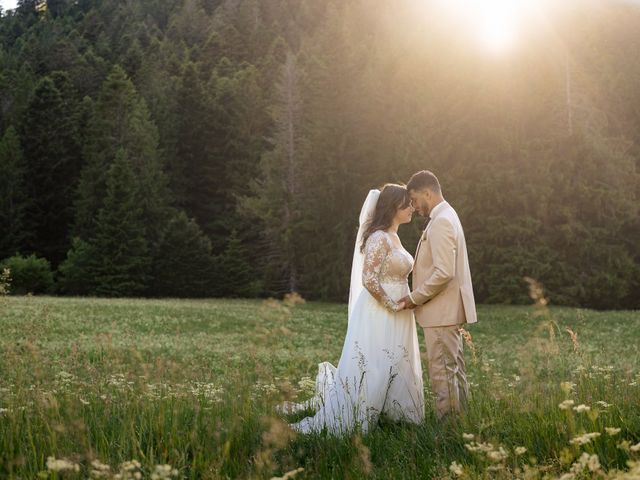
192, 385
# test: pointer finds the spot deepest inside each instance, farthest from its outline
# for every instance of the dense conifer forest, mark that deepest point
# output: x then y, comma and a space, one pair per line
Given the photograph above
224, 148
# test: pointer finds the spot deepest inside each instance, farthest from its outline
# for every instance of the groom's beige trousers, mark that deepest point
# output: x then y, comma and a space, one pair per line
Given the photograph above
446, 368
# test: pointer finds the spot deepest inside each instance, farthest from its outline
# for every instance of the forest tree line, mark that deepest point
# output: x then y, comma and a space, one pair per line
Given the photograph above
224, 147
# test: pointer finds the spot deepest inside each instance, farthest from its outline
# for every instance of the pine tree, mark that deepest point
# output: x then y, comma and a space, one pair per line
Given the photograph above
14, 199
132, 60
120, 120
278, 191
594, 192
239, 119
56, 7
190, 24
108, 130
183, 266
218, 136
120, 243
50, 144
234, 274
192, 147
77, 273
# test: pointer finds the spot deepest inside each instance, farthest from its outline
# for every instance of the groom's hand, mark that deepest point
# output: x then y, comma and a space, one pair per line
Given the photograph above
408, 304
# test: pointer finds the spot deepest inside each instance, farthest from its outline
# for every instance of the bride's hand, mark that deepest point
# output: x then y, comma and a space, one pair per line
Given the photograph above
400, 306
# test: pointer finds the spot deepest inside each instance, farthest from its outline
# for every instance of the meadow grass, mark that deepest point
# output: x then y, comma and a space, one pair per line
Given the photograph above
135, 388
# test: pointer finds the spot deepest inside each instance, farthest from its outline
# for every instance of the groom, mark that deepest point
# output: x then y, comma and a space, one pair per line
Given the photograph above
442, 293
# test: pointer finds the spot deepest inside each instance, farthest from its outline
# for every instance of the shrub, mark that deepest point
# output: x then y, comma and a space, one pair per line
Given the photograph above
28, 274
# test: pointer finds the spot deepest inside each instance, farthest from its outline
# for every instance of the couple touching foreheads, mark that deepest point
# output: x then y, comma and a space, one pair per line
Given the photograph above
379, 369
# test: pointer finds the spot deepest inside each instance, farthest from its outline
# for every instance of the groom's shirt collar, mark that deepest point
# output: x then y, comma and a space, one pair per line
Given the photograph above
438, 209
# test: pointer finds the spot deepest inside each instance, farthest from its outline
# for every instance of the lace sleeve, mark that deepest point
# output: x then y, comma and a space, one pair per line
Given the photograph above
376, 250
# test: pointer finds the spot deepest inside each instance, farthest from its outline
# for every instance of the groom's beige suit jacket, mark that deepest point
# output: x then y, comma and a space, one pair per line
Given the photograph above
441, 277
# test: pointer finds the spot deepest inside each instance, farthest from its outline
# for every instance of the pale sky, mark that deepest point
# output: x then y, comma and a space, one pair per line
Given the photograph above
8, 4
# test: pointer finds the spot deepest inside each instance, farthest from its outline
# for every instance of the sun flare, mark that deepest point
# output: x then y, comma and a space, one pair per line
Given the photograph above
495, 25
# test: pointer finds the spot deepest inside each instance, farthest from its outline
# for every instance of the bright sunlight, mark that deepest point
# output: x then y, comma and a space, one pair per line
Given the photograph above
496, 25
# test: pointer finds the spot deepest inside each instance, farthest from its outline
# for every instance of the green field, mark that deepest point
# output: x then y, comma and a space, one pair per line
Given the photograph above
193, 383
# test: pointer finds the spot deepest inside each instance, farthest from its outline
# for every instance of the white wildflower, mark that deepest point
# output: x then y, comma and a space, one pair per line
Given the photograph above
586, 461
289, 475
580, 464
593, 463
624, 445
582, 408
612, 430
307, 385
584, 438
479, 447
163, 472
456, 468
207, 390
566, 405
129, 470
100, 470
520, 450
497, 455
130, 465
60, 465
468, 436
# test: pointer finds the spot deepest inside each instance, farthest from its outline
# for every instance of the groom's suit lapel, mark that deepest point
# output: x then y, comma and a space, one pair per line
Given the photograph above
428, 225
423, 237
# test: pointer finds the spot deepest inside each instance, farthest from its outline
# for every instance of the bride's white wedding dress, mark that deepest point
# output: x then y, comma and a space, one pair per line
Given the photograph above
379, 369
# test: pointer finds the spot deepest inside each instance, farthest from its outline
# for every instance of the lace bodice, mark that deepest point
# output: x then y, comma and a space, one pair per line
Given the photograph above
384, 263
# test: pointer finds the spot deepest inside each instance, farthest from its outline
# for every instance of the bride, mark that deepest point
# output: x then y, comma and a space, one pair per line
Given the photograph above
379, 370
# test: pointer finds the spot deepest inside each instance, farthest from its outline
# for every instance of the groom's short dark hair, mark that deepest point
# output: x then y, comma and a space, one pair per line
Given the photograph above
422, 180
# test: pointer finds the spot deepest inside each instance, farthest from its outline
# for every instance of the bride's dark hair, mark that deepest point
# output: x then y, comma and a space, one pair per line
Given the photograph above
393, 197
